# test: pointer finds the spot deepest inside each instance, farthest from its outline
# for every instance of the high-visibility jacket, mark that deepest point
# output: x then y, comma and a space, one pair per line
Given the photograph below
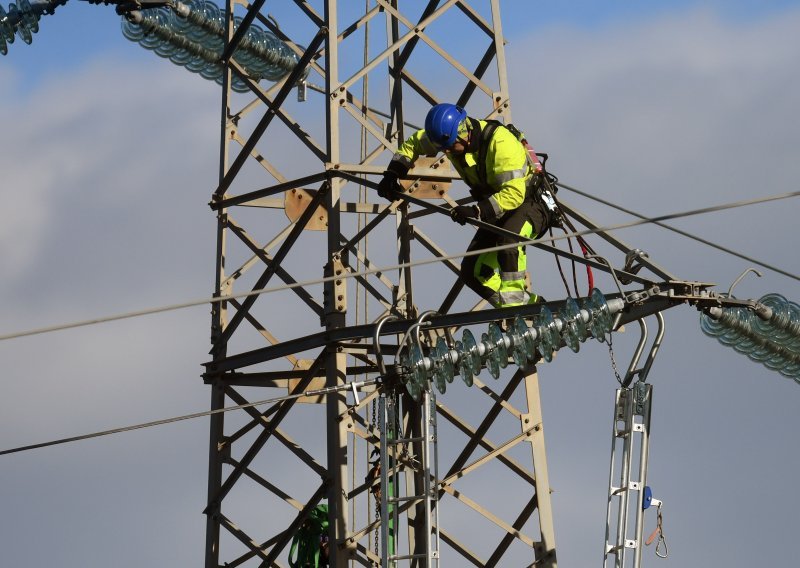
507, 170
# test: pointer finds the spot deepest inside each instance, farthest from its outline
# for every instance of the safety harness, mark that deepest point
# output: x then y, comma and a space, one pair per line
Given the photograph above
542, 188
535, 188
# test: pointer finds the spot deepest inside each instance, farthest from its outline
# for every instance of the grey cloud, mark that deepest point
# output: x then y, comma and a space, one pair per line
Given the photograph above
675, 114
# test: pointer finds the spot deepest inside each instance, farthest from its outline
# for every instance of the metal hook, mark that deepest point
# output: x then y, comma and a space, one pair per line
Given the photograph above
654, 348
420, 322
376, 342
630, 257
612, 270
741, 276
637, 354
414, 328
645, 369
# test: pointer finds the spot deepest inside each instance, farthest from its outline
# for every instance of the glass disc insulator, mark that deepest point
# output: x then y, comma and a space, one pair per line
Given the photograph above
781, 311
463, 366
736, 327
587, 305
571, 316
776, 362
22, 30
710, 326
601, 317
518, 351
496, 337
196, 64
492, 357
238, 85
165, 49
469, 361
446, 364
583, 318
759, 353
437, 371
745, 346
6, 29
549, 341
437, 377
411, 385
28, 16
181, 57
524, 332
418, 374
792, 371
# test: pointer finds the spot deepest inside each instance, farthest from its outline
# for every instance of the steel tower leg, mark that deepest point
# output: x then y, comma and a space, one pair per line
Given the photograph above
546, 552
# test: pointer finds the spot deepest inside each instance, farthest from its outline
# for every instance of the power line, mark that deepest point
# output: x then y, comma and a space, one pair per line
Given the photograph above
678, 231
326, 390
642, 220
533, 242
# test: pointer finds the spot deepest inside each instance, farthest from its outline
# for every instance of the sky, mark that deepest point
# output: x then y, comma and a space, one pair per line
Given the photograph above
109, 156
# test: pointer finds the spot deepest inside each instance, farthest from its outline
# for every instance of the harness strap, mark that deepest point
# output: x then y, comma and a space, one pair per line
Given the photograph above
483, 148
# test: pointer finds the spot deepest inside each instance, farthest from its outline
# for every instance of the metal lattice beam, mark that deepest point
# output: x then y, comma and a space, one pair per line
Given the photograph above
318, 336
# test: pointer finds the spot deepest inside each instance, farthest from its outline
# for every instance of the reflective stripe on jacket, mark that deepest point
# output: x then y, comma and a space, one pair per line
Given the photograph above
507, 169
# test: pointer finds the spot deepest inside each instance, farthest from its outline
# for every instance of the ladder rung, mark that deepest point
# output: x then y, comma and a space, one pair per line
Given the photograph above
629, 543
632, 486
405, 440
407, 556
409, 498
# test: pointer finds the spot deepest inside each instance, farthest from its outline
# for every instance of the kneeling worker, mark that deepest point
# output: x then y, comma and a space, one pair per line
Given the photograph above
495, 165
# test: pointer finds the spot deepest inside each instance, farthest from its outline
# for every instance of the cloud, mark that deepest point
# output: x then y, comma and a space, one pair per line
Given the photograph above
667, 115
99, 181
106, 181
689, 96
108, 174
671, 115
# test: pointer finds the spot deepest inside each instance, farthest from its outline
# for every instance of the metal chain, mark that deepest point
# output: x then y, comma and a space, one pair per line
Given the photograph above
613, 360
377, 503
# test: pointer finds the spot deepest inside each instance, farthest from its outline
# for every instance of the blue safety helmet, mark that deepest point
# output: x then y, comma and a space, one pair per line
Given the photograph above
441, 124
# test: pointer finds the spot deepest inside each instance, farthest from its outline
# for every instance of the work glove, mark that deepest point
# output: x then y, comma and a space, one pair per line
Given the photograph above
461, 213
388, 186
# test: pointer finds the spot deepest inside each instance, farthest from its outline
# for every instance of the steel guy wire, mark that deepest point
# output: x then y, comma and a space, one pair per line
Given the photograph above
532, 242
676, 230
347, 386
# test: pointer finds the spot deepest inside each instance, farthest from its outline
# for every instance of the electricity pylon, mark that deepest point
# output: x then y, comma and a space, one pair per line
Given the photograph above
295, 204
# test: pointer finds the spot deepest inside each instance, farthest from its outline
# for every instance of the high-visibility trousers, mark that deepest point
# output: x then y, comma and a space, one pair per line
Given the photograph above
499, 276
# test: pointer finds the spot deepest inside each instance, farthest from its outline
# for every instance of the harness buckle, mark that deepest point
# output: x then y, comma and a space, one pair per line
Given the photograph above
549, 201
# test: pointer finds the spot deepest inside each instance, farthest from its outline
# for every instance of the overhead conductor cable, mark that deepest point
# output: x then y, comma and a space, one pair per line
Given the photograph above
218, 299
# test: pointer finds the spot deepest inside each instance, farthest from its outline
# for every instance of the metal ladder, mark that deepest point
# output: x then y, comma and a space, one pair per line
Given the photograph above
626, 493
415, 457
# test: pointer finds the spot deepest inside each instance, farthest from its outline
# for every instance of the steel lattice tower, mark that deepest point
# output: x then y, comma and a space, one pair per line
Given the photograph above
294, 204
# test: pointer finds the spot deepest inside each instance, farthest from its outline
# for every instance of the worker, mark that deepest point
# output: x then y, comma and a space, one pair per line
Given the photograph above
505, 184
